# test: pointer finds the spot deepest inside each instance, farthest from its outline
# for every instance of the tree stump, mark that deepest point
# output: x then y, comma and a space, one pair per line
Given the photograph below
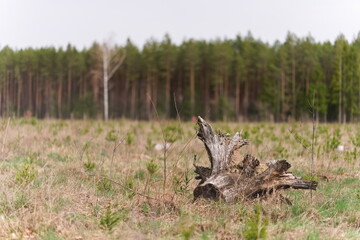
249, 179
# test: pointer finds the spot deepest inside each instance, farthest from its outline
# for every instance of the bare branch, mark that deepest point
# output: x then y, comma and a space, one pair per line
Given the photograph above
115, 68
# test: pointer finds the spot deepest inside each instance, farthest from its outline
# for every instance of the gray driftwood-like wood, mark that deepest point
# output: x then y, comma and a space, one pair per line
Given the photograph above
228, 180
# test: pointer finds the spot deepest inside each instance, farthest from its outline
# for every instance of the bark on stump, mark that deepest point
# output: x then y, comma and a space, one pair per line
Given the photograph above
228, 180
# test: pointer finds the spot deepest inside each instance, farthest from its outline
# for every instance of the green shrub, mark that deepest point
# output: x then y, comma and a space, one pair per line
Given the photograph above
84, 131
152, 167
89, 166
172, 133
351, 155
129, 187
333, 141
149, 144
111, 136
104, 185
25, 174
255, 227
186, 226
356, 139
99, 129
112, 217
129, 138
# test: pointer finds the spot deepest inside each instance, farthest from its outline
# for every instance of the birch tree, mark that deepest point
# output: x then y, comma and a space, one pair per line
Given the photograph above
112, 60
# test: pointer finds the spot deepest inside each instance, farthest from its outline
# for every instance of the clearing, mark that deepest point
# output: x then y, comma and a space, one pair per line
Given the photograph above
105, 180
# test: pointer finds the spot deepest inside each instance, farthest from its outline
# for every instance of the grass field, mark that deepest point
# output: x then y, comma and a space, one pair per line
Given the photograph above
105, 180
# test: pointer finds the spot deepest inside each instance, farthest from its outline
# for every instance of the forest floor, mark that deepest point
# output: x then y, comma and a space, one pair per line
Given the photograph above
105, 180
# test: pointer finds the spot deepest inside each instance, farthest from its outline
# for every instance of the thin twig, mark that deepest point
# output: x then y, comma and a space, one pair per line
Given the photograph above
116, 145
297, 139
83, 150
176, 108
312, 142
165, 145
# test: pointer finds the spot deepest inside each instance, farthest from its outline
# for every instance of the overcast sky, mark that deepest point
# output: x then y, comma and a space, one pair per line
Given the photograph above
39, 23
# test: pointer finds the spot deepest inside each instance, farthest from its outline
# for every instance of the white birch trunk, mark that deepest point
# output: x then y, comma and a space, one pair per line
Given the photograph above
106, 80
111, 62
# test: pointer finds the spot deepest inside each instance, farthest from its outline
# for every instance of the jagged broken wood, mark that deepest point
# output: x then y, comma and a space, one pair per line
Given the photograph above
249, 179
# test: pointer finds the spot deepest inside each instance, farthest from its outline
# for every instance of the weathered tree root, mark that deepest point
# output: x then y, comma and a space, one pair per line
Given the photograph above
229, 181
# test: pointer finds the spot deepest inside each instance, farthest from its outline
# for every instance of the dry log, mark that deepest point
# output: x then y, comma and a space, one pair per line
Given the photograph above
229, 181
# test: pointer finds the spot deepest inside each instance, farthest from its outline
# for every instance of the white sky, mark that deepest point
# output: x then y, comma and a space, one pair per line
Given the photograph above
39, 23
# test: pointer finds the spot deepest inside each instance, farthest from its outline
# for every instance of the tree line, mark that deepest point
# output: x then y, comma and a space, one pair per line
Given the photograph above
224, 79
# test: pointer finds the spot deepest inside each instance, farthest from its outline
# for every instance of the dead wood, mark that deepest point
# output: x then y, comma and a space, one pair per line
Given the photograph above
228, 180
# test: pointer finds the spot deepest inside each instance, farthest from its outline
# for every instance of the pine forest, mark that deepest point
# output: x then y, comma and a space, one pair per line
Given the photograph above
224, 79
